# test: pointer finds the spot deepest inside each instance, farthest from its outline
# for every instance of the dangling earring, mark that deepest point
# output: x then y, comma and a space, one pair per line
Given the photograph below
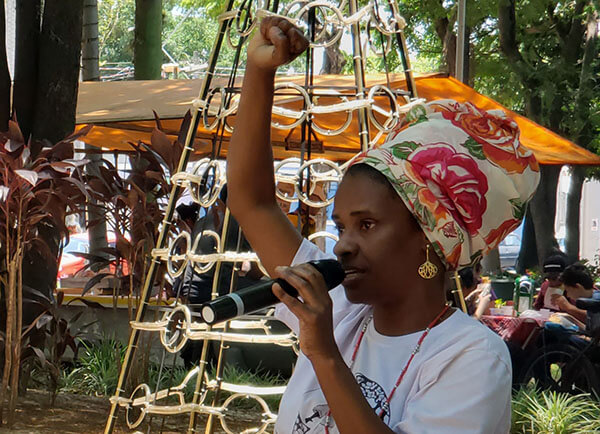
428, 270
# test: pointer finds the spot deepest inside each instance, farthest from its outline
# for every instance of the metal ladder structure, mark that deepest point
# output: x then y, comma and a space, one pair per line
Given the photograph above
374, 25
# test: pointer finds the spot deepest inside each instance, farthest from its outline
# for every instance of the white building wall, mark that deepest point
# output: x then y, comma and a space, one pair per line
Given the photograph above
589, 221
589, 217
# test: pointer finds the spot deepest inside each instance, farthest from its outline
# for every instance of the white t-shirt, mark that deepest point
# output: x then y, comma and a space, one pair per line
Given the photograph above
459, 382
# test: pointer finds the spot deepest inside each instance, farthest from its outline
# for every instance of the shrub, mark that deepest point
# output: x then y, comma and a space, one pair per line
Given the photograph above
535, 411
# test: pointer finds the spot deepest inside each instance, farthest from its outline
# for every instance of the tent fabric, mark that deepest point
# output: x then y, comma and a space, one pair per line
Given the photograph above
122, 112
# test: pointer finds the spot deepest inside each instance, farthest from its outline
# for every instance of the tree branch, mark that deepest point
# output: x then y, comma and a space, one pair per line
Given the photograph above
571, 46
507, 27
583, 134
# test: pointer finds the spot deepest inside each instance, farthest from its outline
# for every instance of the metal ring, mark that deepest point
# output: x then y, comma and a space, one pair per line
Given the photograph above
393, 117
280, 176
386, 48
200, 170
300, 116
252, 19
140, 419
315, 179
396, 19
327, 132
206, 109
207, 233
339, 25
172, 336
323, 234
170, 269
257, 398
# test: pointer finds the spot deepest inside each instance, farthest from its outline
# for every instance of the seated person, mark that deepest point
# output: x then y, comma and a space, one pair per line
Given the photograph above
577, 283
478, 295
553, 267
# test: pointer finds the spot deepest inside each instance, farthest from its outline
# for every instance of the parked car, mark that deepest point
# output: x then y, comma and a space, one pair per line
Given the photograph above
509, 250
70, 263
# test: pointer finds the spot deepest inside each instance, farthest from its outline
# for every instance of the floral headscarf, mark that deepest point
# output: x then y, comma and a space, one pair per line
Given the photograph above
462, 173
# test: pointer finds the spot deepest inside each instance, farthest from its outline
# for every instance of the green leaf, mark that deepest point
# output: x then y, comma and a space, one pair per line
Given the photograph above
518, 208
474, 148
404, 149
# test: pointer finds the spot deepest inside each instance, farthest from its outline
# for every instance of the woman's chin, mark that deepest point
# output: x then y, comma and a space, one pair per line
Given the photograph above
355, 295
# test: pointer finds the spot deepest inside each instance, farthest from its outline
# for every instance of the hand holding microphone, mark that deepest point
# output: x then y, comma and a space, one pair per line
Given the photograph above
260, 296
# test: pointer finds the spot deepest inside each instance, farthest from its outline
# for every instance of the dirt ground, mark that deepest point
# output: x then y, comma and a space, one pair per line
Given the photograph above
87, 414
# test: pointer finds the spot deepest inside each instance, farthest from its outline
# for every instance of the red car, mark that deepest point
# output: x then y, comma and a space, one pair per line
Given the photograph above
70, 263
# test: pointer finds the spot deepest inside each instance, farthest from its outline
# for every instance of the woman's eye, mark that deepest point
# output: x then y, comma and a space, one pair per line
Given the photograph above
339, 229
366, 225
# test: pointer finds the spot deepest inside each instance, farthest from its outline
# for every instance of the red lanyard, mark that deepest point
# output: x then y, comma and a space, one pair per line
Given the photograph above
412, 356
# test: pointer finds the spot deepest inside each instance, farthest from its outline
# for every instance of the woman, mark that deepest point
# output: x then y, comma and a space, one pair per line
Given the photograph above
478, 296
382, 353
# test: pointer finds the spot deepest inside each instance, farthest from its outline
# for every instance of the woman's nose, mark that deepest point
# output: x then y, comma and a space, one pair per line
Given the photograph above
345, 246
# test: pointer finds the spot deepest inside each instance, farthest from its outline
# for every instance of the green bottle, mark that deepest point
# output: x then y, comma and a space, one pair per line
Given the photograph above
522, 294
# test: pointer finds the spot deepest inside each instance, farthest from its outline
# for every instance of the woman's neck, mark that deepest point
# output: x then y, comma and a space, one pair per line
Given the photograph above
412, 313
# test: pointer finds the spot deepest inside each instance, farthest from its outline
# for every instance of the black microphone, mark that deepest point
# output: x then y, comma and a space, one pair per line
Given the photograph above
259, 296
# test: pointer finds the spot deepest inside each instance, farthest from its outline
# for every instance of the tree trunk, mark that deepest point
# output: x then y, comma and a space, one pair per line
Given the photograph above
491, 262
573, 211
90, 68
90, 71
147, 49
58, 82
56, 100
5, 83
28, 19
528, 257
443, 28
333, 59
543, 211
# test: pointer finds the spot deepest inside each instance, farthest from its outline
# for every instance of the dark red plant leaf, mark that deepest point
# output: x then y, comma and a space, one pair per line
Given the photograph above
94, 281
40, 355
88, 303
124, 247
14, 132
79, 133
157, 120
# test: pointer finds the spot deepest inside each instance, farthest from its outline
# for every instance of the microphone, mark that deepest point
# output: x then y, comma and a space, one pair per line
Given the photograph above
259, 296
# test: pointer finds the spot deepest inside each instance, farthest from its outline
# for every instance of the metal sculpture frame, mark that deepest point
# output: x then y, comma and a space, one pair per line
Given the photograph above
178, 324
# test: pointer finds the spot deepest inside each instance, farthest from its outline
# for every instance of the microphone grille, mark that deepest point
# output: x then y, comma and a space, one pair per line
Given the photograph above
332, 271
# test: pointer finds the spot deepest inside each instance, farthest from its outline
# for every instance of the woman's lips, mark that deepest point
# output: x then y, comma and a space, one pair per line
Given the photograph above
352, 276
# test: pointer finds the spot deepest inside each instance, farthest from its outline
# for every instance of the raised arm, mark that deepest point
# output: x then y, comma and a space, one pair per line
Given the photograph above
250, 177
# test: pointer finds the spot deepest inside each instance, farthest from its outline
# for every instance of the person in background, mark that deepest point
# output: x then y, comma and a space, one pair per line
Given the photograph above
196, 288
578, 283
553, 267
478, 295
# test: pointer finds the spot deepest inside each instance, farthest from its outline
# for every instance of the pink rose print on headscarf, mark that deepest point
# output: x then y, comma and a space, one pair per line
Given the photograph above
455, 181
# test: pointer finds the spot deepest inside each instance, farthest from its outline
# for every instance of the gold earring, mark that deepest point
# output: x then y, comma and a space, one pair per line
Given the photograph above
428, 270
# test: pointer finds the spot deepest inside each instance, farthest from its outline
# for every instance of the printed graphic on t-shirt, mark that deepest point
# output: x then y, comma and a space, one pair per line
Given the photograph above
316, 418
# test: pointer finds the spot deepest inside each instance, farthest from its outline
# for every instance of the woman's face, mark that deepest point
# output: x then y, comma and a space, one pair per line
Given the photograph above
380, 244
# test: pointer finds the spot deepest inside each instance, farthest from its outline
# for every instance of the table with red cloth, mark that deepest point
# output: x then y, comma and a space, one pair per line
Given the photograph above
518, 330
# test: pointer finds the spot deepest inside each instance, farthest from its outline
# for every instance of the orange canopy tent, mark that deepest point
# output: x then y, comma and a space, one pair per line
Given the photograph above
122, 113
